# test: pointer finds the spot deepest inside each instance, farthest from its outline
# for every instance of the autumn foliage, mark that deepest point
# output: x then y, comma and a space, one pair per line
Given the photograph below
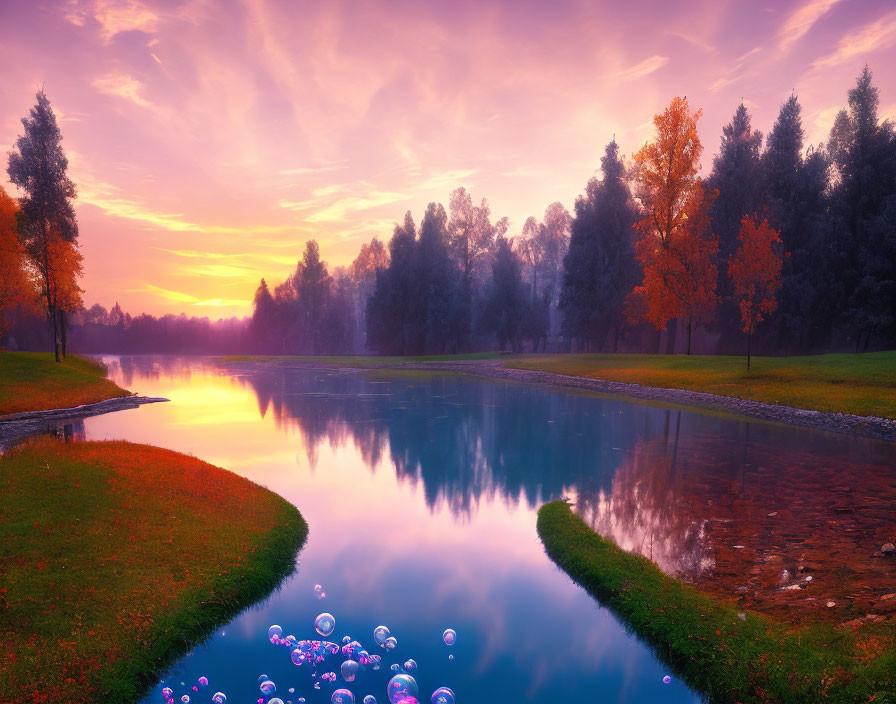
15, 287
677, 248
755, 274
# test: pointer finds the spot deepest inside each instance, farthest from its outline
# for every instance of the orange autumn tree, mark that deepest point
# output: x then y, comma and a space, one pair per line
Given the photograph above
677, 246
16, 289
755, 273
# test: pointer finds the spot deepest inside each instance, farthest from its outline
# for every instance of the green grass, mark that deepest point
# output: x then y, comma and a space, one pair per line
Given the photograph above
32, 381
705, 641
861, 384
116, 558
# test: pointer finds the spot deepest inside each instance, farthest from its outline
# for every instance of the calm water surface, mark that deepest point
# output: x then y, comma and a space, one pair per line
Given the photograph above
421, 494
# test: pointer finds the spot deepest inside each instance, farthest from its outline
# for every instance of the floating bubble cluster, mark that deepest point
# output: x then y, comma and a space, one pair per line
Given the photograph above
315, 655
449, 636
325, 624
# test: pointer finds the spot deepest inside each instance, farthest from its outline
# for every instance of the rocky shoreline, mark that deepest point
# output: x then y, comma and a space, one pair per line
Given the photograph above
18, 425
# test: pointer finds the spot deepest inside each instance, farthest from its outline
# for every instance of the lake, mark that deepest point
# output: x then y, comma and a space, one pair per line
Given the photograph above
421, 492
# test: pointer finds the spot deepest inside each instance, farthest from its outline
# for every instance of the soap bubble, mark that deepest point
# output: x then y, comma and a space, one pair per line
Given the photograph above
380, 633
391, 643
667, 679
342, 696
275, 700
219, 698
185, 699
325, 624
267, 687
449, 636
451, 657
395, 667
369, 699
298, 657
167, 692
346, 640
318, 589
410, 665
322, 595
262, 678
274, 633
349, 669
401, 687
203, 681
443, 695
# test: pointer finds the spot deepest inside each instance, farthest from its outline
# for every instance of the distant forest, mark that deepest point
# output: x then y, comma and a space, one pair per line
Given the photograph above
784, 247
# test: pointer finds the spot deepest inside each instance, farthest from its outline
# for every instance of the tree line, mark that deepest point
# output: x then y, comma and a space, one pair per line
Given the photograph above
783, 246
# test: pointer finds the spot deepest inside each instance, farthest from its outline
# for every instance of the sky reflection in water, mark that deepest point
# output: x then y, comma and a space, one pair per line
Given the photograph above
421, 494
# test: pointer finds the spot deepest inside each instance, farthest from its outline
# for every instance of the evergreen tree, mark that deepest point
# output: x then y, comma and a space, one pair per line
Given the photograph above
600, 268
864, 155
505, 301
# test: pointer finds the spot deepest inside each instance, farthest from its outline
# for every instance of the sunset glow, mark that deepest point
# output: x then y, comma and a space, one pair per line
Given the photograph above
209, 140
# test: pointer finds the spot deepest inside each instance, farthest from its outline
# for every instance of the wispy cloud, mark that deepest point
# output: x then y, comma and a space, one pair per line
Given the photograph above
644, 68
801, 21
181, 297
116, 16
861, 42
121, 85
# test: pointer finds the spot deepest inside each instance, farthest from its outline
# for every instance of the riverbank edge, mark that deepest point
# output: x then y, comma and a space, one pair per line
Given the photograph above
844, 423
727, 654
203, 611
255, 582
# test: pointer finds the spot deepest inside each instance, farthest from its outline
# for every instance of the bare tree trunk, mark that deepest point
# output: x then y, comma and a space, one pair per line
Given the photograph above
54, 326
749, 337
63, 330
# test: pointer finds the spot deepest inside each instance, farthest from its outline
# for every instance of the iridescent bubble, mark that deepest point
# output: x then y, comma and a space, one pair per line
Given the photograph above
346, 640
318, 589
391, 643
325, 624
410, 665
219, 698
297, 657
449, 636
349, 669
380, 633
400, 687
667, 679
451, 657
185, 699
370, 699
342, 696
322, 595
275, 700
262, 678
203, 681
274, 633
167, 692
267, 688
443, 695
395, 667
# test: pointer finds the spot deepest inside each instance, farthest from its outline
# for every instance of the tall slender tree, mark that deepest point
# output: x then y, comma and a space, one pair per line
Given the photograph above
677, 248
38, 165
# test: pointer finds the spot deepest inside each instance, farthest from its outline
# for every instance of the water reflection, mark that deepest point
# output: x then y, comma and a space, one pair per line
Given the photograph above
421, 494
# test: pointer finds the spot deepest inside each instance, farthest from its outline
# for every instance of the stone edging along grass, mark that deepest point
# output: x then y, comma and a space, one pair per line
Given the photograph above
727, 654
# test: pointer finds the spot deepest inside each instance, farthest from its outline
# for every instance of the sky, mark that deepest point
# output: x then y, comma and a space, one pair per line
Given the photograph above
209, 139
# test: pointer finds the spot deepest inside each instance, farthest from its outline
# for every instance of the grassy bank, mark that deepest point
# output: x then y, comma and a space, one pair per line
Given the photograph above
709, 644
32, 381
117, 557
861, 384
